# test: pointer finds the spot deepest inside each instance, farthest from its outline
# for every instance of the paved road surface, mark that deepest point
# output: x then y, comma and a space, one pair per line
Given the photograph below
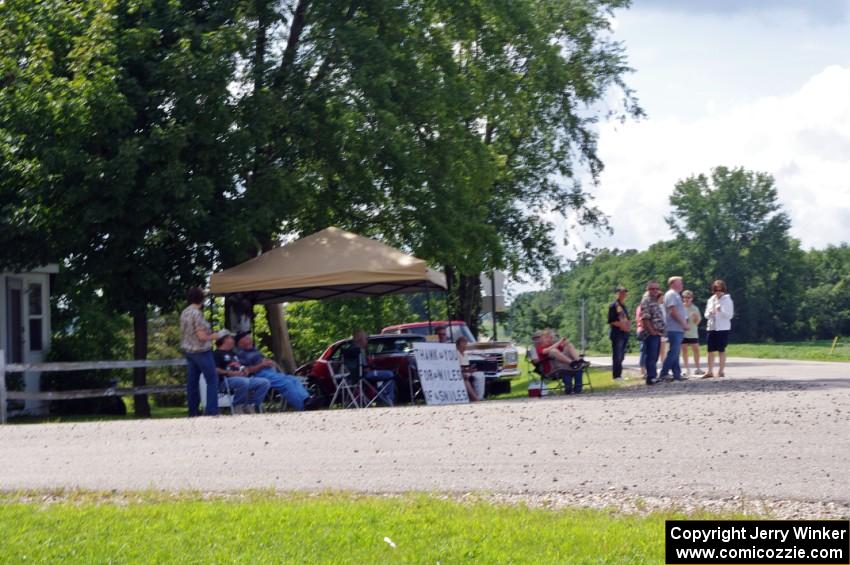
772, 430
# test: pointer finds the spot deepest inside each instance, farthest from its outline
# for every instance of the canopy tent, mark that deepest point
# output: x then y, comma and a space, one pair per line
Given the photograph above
332, 263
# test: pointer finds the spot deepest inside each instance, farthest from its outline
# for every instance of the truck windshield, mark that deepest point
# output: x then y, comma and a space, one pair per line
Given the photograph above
454, 331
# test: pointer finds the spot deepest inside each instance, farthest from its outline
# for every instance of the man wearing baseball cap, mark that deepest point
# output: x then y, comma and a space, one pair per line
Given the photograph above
619, 325
248, 392
259, 366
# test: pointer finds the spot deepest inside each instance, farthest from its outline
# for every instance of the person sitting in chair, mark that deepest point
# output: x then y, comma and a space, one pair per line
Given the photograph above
359, 348
248, 393
559, 360
289, 387
442, 333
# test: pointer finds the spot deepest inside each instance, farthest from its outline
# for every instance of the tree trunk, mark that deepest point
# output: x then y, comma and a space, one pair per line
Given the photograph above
464, 301
469, 291
140, 351
280, 344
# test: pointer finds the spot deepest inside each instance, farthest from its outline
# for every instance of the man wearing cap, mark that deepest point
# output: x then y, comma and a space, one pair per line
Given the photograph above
619, 325
248, 392
259, 366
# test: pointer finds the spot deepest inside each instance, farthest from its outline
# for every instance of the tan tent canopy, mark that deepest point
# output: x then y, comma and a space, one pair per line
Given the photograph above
332, 263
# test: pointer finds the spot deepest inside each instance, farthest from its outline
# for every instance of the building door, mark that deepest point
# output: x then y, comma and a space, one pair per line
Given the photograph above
14, 321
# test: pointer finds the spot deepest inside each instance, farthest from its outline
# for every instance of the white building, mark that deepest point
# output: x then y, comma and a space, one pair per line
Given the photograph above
25, 323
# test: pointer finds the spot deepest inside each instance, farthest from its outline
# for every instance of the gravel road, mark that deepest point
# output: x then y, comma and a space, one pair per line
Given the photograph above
774, 433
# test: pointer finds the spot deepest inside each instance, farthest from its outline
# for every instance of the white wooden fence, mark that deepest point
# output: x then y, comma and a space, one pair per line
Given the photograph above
81, 366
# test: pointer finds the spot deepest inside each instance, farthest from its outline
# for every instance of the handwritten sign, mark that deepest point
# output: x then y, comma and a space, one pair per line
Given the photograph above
438, 365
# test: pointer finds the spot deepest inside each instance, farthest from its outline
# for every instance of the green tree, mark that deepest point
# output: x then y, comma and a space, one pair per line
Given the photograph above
825, 304
733, 228
444, 128
124, 190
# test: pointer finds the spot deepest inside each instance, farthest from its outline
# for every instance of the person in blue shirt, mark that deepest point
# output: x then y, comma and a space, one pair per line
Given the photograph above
248, 392
257, 365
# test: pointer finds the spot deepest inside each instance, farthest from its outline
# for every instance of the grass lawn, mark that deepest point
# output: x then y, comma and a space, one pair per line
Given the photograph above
818, 350
328, 528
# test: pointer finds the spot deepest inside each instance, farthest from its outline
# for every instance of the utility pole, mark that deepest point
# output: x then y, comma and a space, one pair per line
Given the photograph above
583, 335
493, 299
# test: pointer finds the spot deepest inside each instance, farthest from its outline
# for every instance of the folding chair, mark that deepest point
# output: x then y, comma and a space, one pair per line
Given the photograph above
537, 367
348, 389
225, 399
351, 359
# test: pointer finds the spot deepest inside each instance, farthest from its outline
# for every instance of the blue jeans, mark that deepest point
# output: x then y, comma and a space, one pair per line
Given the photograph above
642, 361
248, 390
674, 350
199, 364
288, 386
380, 376
577, 382
651, 348
619, 340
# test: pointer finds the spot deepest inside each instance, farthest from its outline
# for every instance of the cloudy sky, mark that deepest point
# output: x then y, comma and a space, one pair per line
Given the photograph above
763, 84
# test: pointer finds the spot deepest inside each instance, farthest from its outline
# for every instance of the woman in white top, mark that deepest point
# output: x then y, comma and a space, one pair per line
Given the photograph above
719, 312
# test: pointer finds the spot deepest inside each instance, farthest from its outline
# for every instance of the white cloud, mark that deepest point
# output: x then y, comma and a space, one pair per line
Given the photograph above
803, 139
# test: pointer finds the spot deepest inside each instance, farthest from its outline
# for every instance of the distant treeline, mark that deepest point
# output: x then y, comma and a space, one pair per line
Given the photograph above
730, 226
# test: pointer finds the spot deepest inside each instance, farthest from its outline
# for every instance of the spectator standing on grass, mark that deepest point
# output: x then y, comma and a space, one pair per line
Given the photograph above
248, 393
677, 325
619, 325
652, 330
196, 338
719, 312
691, 339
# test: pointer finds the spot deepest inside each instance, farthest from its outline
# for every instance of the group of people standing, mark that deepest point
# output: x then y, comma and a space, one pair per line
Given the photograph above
670, 321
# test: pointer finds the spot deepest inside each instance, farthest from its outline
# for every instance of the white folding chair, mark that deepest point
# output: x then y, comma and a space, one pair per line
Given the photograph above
348, 391
225, 398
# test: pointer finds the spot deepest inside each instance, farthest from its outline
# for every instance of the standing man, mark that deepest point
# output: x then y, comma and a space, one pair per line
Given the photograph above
677, 325
620, 324
652, 320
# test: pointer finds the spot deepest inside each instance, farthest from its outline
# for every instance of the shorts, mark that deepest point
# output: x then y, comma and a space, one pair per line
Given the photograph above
690, 340
718, 340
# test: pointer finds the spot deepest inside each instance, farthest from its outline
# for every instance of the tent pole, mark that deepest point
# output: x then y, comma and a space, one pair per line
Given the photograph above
448, 317
428, 309
493, 303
